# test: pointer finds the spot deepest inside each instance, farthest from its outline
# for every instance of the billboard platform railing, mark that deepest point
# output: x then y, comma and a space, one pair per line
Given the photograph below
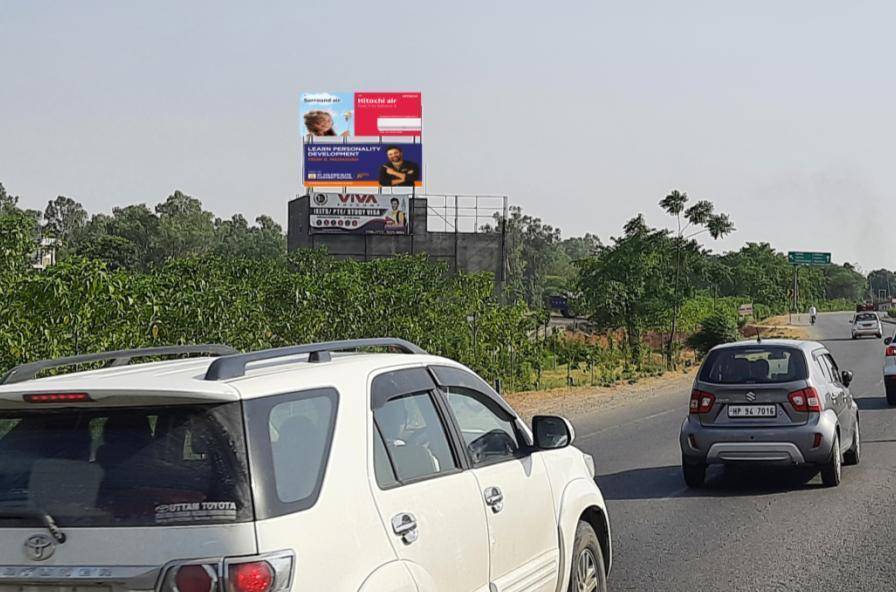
459, 213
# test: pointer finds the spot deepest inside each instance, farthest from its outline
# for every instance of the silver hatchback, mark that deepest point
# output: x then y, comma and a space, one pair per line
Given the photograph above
778, 402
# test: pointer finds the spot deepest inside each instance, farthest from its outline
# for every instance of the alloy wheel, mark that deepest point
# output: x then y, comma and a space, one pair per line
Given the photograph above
586, 572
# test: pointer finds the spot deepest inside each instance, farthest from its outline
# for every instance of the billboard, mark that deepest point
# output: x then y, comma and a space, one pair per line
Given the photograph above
330, 164
339, 213
361, 114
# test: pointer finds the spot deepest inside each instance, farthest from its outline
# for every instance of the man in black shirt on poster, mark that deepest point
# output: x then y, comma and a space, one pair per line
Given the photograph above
398, 172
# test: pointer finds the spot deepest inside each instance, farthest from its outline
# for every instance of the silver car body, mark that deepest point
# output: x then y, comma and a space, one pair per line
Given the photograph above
788, 438
866, 324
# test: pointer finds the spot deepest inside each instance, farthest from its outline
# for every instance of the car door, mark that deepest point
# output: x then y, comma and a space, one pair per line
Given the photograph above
844, 401
513, 481
429, 504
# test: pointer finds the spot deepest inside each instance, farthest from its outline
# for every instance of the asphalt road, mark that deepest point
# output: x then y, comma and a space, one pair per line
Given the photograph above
749, 529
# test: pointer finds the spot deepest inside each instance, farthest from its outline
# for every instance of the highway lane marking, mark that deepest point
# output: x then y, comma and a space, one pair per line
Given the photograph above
629, 423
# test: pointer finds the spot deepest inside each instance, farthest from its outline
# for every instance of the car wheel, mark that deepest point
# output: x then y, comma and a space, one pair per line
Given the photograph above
587, 573
854, 454
891, 395
694, 474
879, 335
831, 472
853, 335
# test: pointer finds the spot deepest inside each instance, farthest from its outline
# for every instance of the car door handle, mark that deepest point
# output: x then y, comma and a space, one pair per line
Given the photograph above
405, 526
494, 499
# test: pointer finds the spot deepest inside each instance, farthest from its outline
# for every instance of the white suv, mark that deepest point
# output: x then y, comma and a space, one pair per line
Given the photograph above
290, 469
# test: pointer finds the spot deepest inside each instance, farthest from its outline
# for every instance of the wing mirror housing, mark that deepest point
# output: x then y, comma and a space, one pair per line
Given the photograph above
552, 432
846, 377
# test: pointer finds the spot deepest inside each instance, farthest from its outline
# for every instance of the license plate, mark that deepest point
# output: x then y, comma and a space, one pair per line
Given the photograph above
752, 410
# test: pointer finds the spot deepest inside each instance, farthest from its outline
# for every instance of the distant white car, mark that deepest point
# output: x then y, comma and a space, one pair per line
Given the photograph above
866, 324
293, 469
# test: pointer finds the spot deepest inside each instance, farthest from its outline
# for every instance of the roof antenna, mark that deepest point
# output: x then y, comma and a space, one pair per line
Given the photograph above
758, 335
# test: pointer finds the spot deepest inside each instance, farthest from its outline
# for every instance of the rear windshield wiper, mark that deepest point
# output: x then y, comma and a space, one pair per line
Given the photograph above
43, 517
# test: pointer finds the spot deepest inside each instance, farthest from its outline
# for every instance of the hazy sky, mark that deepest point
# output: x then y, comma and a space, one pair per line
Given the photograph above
584, 113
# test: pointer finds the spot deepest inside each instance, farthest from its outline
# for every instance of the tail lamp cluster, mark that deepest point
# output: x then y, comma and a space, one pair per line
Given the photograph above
269, 573
701, 402
891, 351
805, 400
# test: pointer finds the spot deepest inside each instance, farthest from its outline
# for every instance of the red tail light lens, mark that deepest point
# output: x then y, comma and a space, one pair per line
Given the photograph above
251, 577
57, 398
891, 350
805, 400
701, 402
194, 578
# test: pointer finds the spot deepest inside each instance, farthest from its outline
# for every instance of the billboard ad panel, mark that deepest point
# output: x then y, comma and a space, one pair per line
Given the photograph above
361, 114
338, 213
362, 165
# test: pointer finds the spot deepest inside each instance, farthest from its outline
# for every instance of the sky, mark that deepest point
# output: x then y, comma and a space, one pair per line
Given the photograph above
584, 113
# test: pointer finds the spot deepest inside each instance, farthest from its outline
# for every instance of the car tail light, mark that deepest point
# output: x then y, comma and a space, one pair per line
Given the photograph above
805, 400
256, 576
195, 578
264, 573
57, 398
891, 351
701, 402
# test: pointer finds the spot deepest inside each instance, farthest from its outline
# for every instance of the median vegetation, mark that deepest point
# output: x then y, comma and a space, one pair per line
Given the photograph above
650, 299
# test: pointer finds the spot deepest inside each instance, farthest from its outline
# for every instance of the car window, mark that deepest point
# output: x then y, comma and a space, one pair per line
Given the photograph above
832, 366
488, 432
825, 369
299, 435
414, 438
756, 364
866, 316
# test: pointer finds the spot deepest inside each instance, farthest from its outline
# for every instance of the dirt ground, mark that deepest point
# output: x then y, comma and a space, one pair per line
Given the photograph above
575, 401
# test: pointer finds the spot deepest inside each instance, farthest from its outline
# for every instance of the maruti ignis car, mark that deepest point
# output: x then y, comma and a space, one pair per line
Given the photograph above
776, 402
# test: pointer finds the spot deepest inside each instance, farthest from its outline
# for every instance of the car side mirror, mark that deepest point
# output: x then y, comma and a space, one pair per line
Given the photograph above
846, 377
552, 432
888, 340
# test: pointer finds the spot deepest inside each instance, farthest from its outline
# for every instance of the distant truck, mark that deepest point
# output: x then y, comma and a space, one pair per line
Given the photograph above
561, 303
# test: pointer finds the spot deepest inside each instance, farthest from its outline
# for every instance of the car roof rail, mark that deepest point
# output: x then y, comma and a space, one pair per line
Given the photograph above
234, 366
122, 357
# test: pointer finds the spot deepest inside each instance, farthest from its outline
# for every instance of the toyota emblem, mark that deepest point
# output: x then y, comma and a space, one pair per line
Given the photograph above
39, 547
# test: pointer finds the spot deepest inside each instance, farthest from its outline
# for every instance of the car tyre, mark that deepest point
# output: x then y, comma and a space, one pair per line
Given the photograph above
891, 395
854, 454
587, 572
831, 472
694, 474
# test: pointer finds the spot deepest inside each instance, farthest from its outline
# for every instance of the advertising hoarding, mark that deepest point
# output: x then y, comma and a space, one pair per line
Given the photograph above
361, 114
362, 165
338, 213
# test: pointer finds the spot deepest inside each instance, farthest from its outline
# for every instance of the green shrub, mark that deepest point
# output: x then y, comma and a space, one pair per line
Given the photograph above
715, 329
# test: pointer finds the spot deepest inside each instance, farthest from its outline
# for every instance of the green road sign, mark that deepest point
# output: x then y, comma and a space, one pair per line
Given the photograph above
808, 258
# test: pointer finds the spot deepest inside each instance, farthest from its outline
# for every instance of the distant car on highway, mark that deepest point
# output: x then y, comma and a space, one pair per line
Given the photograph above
561, 303
866, 324
300, 468
781, 402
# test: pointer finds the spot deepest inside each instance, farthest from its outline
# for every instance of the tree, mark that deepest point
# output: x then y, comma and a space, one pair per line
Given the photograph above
63, 218
700, 218
235, 238
185, 229
626, 285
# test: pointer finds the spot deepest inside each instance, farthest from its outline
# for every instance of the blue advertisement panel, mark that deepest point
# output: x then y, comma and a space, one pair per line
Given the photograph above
362, 165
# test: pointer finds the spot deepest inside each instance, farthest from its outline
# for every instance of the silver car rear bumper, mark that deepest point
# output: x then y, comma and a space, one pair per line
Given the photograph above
762, 452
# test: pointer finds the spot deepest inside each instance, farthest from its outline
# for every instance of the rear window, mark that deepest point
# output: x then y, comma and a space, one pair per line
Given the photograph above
754, 365
866, 316
125, 466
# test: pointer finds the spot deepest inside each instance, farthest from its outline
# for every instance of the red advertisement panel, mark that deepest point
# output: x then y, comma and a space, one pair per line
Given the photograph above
388, 114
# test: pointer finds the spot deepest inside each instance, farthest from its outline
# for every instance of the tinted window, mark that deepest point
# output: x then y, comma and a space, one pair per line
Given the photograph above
753, 365
144, 466
832, 365
866, 316
299, 433
290, 439
487, 430
414, 438
825, 369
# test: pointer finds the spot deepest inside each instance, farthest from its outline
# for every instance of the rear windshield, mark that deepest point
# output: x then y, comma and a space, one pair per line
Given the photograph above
126, 466
753, 365
866, 316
